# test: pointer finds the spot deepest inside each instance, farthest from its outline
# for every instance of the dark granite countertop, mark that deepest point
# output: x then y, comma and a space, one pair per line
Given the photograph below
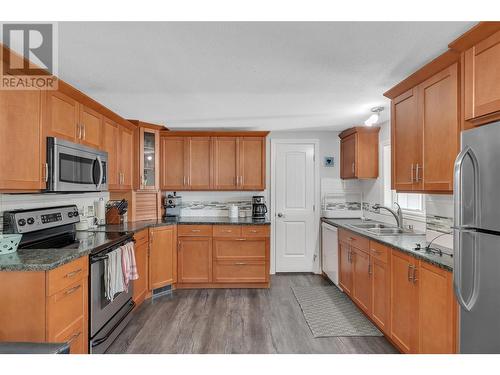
137, 226
47, 259
405, 243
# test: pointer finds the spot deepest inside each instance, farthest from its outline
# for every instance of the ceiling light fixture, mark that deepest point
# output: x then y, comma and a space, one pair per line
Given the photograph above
374, 117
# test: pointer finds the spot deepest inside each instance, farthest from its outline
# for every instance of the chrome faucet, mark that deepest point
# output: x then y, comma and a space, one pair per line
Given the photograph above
398, 214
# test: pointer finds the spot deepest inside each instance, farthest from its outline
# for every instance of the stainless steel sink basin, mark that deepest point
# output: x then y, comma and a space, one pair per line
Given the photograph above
380, 229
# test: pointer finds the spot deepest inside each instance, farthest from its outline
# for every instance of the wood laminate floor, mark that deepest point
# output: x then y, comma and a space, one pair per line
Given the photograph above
235, 321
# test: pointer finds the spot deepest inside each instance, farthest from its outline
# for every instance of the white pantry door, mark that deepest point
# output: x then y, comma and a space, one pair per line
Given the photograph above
294, 207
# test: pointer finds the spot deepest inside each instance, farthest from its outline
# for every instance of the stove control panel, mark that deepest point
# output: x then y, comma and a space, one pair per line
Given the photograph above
26, 221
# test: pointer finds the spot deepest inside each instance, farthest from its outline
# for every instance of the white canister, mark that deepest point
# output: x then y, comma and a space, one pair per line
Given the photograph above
233, 211
100, 211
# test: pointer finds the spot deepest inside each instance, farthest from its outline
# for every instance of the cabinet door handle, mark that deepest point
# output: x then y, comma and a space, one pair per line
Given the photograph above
71, 274
417, 175
72, 290
411, 173
240, 263
195, 230
409, 273
352, 167
369, 268
241, 180
414, 275
253, 231
46, 171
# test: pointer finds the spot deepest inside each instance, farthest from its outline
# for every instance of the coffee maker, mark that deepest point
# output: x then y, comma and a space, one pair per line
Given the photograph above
172, 205
259, 209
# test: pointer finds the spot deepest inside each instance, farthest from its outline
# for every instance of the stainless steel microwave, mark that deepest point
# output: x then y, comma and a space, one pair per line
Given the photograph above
72, 167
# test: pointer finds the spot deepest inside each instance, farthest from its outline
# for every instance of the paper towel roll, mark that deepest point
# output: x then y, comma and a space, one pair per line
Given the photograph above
100, 211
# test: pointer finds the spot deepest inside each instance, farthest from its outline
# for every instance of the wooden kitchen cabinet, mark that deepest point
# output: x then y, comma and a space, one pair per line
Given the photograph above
481, 82
186, 163
425, 130
252, 163
148, 171
141, 285
62, 116
172, 163
225, 163
117, 141
162, 256
194, 259
21, 164
438, 115
359, 153
381, 285
46, 306
66, 118
345, 267
404, 302
406, 142
438, 310
362, 275
198, 163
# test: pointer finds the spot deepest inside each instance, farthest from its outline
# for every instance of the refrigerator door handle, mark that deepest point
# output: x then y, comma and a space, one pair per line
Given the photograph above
457, 270
458, 201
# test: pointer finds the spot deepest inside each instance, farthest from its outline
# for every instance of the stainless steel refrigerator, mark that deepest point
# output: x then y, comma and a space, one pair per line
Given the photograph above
476, 273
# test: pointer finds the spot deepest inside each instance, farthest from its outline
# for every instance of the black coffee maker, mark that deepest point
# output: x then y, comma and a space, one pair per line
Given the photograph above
259, 209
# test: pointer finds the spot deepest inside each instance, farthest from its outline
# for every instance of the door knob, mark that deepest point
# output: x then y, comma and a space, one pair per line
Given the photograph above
280, 214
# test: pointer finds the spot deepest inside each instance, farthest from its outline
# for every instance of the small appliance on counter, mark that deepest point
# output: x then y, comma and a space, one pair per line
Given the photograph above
116, 212
172, 205
259, 209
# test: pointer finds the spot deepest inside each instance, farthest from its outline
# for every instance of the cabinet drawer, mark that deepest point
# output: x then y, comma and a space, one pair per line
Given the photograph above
194, 230
240, 248
65, 307
355, 240
141, 237
255, 231
379, 251
75, 335
227, 231
239, 271
66, 275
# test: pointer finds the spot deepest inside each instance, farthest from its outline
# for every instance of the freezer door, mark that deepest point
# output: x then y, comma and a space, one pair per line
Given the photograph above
480, 178
479, 326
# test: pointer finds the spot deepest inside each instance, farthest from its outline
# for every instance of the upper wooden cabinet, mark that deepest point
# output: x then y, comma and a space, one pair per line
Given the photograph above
359, 152
21, 141
68, 119
118, 142
198, 162
481, 81
424, 131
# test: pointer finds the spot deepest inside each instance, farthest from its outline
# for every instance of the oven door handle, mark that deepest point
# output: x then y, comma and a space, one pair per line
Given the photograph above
101, 174
98, 258
102, 339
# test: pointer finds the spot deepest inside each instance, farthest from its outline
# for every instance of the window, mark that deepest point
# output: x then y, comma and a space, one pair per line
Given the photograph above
410, 202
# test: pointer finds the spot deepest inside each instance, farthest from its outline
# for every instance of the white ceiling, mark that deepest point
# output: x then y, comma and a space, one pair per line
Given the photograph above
247, 75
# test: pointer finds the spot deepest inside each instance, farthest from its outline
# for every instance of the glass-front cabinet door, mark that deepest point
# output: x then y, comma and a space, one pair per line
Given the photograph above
149, 159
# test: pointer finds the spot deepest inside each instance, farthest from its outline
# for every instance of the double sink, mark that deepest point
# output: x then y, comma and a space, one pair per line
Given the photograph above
379, 229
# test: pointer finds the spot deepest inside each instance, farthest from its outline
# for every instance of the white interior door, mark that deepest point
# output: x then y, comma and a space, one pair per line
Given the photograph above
294, 194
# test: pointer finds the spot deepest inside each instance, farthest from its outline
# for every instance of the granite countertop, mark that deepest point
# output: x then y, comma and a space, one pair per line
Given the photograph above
403, 242
47, 259
137, 226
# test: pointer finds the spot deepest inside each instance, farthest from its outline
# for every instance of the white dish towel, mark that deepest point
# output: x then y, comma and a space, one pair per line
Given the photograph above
128, 264
113, 274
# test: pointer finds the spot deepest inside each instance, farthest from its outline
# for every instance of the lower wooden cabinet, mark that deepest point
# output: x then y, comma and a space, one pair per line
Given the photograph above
410, 300
162, 256
361, 291
404, 302
381, 286
141, 285
49, 306
345, 268
195, 259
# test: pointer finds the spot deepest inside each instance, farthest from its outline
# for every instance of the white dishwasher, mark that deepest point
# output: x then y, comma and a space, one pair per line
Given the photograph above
330, 252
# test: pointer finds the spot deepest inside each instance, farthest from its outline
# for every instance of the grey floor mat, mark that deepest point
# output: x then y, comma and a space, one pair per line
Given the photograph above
329, 312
